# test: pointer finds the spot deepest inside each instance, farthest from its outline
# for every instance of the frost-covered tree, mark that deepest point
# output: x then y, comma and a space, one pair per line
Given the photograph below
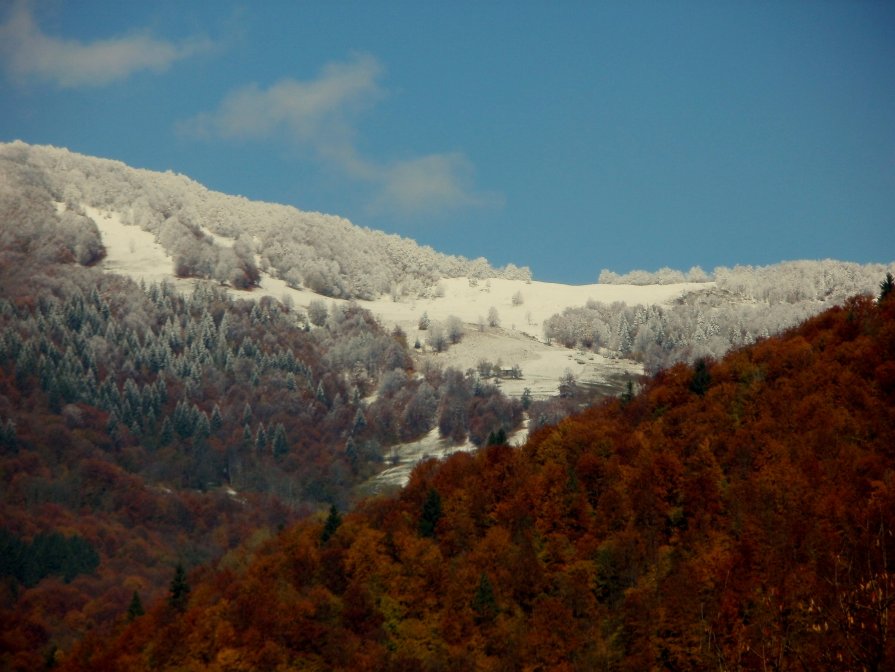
317, 312
454, 327
745, 303
437, 337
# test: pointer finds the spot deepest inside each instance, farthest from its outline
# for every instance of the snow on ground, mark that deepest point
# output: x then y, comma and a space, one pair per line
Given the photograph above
517, 341
405, 457
133, 252
519, 338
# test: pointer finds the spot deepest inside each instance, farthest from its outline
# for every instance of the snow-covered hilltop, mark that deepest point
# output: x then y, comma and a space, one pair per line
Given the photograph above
324, 253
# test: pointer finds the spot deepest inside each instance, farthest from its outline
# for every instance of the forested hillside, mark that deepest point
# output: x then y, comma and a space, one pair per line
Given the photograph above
142, 429
324, 253
179, 470
733, 515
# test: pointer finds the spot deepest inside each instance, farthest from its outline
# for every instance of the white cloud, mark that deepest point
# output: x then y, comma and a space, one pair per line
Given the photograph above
27, 52
306, 110
430, 184
320, 115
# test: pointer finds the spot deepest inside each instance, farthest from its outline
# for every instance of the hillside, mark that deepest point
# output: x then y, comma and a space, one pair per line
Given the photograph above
324, 253
159, 227
735, 515
170, 392
142, 428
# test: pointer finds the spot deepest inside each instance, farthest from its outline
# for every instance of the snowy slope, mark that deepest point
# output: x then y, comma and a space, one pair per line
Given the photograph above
518, 341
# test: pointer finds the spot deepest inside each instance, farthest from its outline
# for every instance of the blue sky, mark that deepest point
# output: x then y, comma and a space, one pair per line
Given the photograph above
565, 136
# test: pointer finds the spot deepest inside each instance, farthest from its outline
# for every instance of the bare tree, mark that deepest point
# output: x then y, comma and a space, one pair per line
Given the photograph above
454, 327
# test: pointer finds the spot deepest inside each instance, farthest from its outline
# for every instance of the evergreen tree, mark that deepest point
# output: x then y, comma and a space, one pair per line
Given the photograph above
8, 440
886, 286
202, 429
333, 521
161, 389
701, 380
628, 395
166, 435
13, 554
80, 558
498, 438
179, 591
431, 513
483, 602
217, 420
526, 398
135, 608
260, 439
112, 425
280, 445
351, 453
359, 421
184, 422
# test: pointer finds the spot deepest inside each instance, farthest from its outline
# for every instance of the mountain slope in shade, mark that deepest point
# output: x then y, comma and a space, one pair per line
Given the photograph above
736, 515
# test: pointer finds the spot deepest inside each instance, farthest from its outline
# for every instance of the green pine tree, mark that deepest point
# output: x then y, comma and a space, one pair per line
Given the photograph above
217, 420
179, 592
260, 439
483, 602
135, 609
431, 513
166, 435
701, 380
498, 438
628, 395
280, 444
886, 286
333, 521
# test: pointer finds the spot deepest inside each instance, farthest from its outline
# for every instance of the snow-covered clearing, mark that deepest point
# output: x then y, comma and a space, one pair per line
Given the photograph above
522, 308
405, 456
517, 341
133, 252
